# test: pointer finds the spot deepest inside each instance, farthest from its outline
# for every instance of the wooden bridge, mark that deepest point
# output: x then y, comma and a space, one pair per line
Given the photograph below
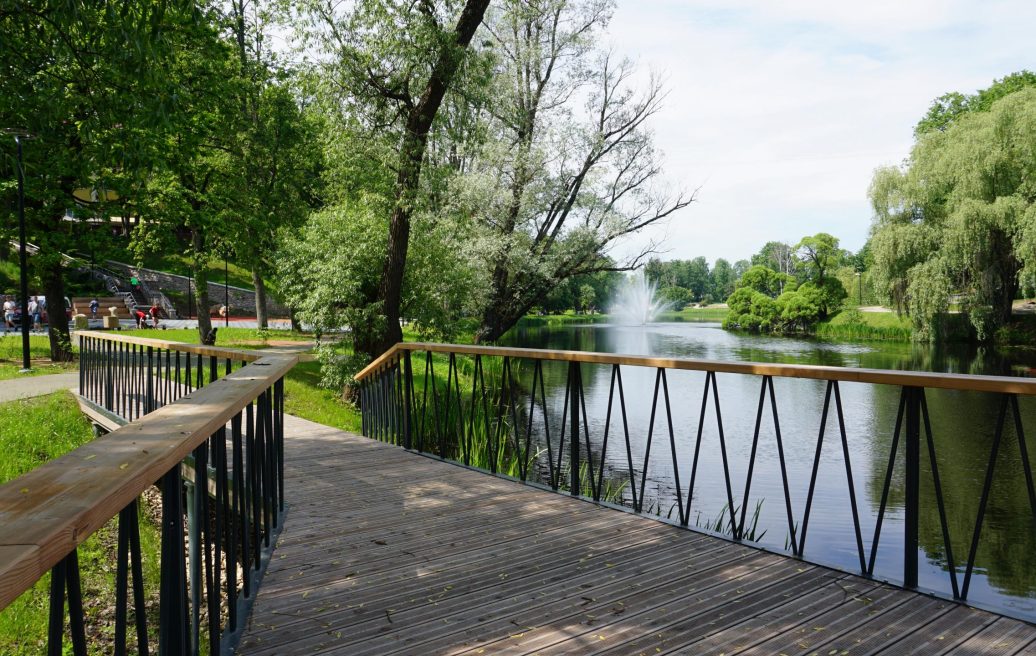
385, 551
364, 547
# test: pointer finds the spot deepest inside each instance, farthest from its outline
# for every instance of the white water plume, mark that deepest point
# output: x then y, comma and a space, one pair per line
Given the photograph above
636, 303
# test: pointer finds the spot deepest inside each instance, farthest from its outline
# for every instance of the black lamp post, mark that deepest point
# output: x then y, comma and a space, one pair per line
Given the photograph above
19, 137
226, 291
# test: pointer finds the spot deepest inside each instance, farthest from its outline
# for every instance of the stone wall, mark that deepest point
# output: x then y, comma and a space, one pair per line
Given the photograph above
242, 301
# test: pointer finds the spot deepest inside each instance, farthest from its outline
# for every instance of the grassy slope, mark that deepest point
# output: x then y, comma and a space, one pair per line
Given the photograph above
871, 326
35, 431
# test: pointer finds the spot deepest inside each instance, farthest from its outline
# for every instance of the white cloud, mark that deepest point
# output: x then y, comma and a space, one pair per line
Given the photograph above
781, 111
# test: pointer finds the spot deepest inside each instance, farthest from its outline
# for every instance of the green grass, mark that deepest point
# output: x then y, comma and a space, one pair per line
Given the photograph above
226, 337
856, 325
697, 314
534, 321
303, 397
39, 356
35, 431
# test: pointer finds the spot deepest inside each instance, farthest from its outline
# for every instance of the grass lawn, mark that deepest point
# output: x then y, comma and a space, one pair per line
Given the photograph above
35, 431
303, 396
39, 356
248, 338
852, 324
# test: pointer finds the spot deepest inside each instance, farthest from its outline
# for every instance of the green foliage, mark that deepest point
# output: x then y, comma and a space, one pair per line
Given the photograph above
763, 280
676, 297
819, 254
792, 311
333, 267
960, 218
949, 107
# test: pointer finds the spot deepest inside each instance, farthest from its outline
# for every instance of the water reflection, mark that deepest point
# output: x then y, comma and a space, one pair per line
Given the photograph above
962, 425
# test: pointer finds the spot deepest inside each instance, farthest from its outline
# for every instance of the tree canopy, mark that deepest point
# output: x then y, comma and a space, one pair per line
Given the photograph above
957, 223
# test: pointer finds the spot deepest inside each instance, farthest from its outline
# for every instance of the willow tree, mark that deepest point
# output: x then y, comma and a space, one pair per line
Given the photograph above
959, 218
568, 167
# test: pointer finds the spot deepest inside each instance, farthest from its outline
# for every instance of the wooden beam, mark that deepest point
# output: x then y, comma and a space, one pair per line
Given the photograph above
963, 382
49, 511
234, 354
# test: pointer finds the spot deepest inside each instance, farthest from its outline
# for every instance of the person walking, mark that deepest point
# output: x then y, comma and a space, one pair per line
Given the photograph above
34, 312
154, 315
8, 314
93, 308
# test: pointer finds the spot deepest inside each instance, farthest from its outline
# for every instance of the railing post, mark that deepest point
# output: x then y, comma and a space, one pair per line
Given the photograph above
911, 501
574, 389
408, 377
172, 620
109, 383
149, 401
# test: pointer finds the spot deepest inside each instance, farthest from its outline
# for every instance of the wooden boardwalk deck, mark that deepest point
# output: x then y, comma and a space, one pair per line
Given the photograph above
387, 552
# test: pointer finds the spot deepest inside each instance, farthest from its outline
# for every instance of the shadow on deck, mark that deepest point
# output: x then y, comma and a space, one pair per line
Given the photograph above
389, 552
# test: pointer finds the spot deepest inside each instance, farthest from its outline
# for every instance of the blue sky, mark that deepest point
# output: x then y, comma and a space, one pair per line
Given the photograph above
779, 112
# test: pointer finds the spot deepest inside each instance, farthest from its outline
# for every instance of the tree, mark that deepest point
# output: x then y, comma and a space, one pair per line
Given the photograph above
763, 280
93, 105
722, 279
819, 254
554, 188
778, 256
960, 217
946, 109
395, 63
275, 156
587, 296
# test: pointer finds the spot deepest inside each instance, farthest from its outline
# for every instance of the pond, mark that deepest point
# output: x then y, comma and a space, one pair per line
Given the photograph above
963, 426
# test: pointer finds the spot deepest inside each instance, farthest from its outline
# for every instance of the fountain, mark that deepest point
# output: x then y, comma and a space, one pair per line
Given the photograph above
636, 304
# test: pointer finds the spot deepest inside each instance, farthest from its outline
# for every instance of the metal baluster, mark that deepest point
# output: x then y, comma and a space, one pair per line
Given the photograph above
172, 631
888, 480
938, 496
849, 479
816, 467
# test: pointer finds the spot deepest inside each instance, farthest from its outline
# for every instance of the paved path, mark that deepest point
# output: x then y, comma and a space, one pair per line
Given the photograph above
386, 552
30, 386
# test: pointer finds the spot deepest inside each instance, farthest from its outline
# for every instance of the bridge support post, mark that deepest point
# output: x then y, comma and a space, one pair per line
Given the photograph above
575, 388
911, 493
408, 381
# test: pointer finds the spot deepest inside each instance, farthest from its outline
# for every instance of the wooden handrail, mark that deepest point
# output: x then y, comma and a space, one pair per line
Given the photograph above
243, 355
963, 382
49, 511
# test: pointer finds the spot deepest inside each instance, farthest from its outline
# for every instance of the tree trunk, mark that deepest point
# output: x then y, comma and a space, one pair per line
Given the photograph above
260, 297
370, 340
295, 325
54, 287
201, 288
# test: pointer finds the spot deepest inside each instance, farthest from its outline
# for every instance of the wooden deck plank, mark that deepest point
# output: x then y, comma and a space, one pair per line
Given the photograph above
388, 552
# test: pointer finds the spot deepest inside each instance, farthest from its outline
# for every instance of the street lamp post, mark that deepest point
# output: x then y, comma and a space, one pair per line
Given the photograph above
226, 291
23, 263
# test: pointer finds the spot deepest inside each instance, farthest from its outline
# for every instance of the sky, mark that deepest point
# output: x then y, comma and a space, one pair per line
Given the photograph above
778, 113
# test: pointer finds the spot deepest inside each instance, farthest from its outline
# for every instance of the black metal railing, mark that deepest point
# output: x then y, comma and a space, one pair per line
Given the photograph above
208, 425
511, 423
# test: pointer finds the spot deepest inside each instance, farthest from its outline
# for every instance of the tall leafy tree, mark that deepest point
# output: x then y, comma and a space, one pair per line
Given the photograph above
560, 186
394, 62
87, 80
276, 153
960, 218
820, 255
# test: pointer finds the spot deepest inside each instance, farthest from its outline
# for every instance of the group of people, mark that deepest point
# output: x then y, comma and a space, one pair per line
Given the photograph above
141, 316
12, 312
